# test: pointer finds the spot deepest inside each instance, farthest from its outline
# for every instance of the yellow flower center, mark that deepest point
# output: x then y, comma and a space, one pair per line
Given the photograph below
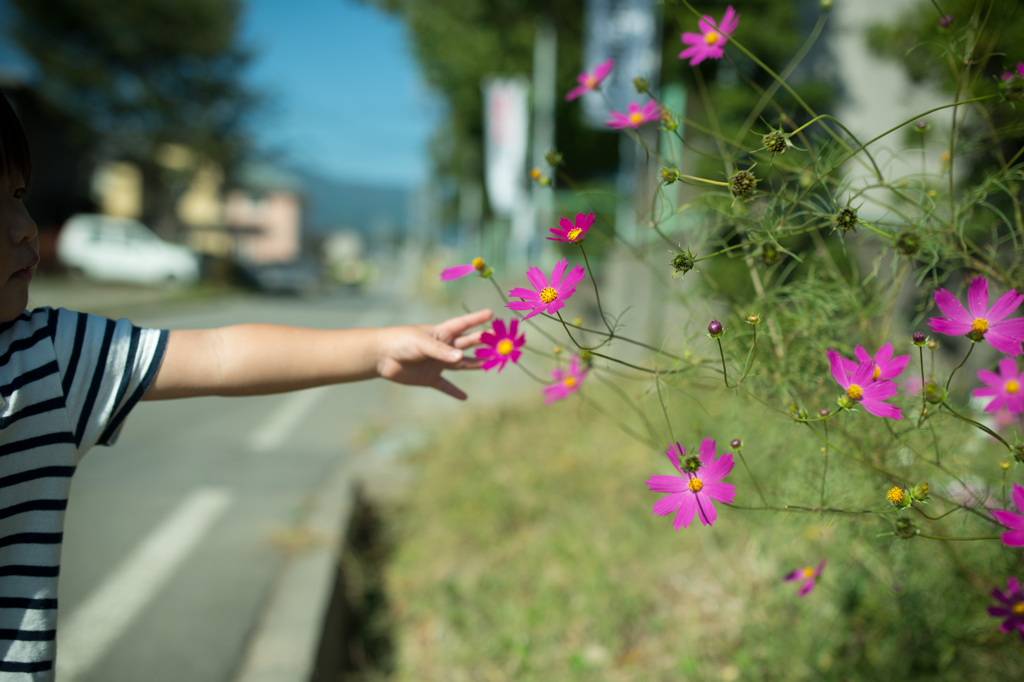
1018, 608
478, 263
877, 373
711, 37
855, 392
895, 495
548, 294
636, 118
570, 381
980, 325
808, 572
1012, 386
591, 82
573, 233
695, 484
504, 347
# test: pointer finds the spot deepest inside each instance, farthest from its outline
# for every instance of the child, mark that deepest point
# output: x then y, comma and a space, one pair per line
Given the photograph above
68, 380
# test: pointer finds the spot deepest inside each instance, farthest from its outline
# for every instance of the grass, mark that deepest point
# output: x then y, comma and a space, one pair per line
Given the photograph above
526, 550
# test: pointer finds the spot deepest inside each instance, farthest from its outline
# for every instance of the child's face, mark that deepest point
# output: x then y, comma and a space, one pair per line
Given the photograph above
19, 247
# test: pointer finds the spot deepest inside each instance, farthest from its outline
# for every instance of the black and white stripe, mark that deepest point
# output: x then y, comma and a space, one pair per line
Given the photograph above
67, 382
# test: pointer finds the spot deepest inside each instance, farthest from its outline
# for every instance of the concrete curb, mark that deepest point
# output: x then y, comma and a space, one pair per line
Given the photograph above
285, 645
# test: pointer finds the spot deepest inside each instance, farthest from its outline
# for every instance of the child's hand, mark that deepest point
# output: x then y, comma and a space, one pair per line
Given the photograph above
416, 355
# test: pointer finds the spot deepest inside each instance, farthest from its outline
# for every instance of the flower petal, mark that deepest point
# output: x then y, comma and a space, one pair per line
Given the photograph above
1004, 305
951, 307
687, 510
977, 298
666, 484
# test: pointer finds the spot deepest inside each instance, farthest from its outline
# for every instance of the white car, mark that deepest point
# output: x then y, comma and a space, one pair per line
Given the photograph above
123, 250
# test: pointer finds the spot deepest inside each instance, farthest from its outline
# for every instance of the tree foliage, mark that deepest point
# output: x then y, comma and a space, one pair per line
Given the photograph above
136, 75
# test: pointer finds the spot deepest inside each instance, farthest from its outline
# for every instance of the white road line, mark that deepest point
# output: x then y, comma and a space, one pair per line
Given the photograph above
276, 429
90, 631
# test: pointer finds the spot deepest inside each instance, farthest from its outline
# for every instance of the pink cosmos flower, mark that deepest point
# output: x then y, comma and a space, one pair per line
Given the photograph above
1010, 74
459, 271
886, 366
572, 231
1015, 522
546, 296
1005, 386
712, 38
501, 345
979, 321
635, 115
565, 382
1012, 608
808, 575
861, 388
590, 81
699, 483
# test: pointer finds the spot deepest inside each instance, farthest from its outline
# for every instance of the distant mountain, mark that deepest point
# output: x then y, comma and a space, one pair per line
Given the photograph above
333, 205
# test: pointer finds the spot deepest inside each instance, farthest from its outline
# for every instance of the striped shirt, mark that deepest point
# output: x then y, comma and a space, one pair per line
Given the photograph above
67, 382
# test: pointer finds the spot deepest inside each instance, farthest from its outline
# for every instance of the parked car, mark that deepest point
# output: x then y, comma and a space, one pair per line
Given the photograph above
123, 250
302, 277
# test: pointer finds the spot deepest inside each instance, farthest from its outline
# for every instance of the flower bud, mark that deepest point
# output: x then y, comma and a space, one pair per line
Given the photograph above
946, 21
742, 183
736, 444
556, 350
1018, 453
824, 412
846, 219
715, 329
919, 338
690, 465
682, 262
932, 344
922, 126
753, 319
776, 142
1004, 465
641, 84
907, 242
919, 492
769, 253
905, 528
585, 355
668, 121
669, 175
934, 393
553, 158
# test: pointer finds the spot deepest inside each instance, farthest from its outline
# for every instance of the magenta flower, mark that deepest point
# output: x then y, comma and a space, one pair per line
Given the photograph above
1010, 74
808, 575
546, 296
978, 321
861, 388
590, 81
886, 366
1012, 608
712, 38
698, 484
1005, 387
635, 115
565, 382
459, 271
1015, 522
501, 345
572, 231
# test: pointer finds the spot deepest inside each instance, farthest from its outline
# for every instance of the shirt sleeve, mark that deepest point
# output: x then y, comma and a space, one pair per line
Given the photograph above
106, 367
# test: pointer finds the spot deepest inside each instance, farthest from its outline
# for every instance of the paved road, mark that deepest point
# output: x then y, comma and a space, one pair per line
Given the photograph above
170, 548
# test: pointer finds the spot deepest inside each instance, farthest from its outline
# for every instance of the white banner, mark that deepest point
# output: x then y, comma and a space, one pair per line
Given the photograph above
626, 31
506, 121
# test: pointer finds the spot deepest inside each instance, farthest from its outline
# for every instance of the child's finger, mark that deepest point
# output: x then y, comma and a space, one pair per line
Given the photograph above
468, 340
451, 389
457, 325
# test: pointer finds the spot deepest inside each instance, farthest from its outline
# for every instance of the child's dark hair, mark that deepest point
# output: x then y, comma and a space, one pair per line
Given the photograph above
15, 158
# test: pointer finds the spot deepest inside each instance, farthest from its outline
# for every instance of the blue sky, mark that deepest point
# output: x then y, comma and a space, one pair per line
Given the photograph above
345, 96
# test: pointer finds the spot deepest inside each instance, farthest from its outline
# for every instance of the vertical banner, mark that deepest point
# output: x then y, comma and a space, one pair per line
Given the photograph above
506, 120
628, 32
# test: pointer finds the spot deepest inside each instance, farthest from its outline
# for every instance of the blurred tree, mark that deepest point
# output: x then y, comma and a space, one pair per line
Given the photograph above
139, 75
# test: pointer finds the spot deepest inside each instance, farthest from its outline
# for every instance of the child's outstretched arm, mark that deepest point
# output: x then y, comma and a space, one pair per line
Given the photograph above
256, 359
